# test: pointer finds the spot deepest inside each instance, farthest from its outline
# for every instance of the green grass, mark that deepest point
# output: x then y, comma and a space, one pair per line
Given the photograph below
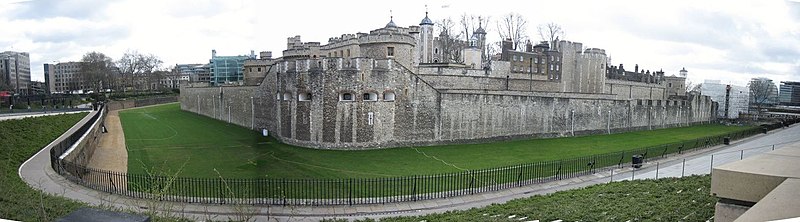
19, 140
168, 139
669, 199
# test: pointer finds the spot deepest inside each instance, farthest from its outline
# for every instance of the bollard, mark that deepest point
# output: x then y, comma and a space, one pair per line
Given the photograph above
683, 167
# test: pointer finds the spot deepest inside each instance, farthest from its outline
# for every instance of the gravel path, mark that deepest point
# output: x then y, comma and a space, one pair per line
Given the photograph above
111, 153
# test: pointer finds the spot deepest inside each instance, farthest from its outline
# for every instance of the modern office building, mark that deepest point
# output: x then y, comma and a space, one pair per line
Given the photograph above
15, 71
790, 93
195, 72
737, 98
64, 78
38, 88
228, 70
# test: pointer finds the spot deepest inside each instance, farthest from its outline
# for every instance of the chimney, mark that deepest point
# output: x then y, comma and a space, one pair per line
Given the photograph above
528, 46
636, 68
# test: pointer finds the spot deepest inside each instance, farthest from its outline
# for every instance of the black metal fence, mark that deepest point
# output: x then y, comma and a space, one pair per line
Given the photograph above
370, 190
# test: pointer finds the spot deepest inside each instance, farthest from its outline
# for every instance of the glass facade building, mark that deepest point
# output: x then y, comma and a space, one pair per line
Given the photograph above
227, 70
790, 93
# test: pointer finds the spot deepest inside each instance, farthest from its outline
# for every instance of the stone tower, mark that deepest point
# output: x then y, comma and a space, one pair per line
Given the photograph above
480, 35
425, 43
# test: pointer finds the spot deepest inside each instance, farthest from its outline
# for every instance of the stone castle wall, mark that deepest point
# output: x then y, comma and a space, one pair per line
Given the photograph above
634, 90
443, 107
230, 104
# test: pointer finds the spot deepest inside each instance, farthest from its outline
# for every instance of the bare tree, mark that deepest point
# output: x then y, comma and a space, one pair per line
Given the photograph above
760, 93
95, 69
550, 32
449, 40
693, 88
513, 26
470, 23
136, 69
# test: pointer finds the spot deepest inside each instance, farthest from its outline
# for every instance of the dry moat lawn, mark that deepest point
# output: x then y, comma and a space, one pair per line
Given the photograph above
165, 138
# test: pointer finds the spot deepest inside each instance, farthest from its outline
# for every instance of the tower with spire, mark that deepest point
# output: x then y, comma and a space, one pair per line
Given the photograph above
391, 21
480, 35
425, 42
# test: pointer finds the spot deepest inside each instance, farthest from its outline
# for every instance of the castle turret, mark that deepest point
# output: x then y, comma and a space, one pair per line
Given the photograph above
683, 73
391, 23
425, 42
480, 33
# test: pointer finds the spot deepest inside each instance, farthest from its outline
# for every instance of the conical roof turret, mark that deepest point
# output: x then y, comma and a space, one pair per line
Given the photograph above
391, 22
480, 28
426, 20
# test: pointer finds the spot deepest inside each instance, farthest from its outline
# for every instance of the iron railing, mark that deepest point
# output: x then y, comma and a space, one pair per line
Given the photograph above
353, 191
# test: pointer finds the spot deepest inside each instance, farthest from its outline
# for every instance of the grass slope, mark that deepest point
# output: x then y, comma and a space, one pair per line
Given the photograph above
668, 199
166, 138
19, 140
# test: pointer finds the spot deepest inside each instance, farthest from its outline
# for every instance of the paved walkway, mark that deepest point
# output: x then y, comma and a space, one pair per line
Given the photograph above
9, 116
38, 174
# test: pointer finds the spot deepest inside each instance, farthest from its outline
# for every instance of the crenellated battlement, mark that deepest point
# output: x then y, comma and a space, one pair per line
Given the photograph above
335, 64
387, 38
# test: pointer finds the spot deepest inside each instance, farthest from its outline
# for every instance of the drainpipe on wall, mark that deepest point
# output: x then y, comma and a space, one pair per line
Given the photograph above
252, 114
608, 125
573, 121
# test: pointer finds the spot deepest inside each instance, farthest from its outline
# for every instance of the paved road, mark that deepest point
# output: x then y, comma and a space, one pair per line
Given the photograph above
701, 164
38, 174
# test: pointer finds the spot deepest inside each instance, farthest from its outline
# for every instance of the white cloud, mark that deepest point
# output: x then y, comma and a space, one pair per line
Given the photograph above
727, 40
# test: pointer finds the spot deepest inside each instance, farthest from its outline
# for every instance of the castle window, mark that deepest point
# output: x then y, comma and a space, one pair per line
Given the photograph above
335, 54
436, 51
557, 67
669, 84
346, 97
348, 53
370, 97
390, 51
535, 59
259, 69
287, 96
551, 67
370, 116
639, 102
304, 97
388, 96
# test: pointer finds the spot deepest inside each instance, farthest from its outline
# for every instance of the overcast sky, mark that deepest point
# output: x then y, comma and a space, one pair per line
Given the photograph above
731, 41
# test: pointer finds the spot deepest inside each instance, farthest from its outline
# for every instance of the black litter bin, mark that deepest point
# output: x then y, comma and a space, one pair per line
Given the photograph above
726, 140
764, 130
637, 160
